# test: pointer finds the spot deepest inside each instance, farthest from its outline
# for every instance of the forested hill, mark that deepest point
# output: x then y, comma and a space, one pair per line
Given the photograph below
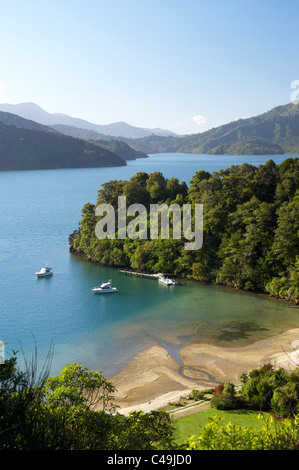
26, 145
110, 143
250, 227
274, 132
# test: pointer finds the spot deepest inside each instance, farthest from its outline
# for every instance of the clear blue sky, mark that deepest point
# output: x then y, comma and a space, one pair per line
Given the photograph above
150, 63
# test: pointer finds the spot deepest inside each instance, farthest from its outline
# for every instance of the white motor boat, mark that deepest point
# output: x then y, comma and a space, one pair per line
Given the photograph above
167, 281
46, 271
105, 288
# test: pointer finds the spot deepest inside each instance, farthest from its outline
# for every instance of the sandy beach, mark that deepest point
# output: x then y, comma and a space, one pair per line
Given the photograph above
154, 378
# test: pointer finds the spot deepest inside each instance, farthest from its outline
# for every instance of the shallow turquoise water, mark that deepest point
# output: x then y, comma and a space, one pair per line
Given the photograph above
39, 209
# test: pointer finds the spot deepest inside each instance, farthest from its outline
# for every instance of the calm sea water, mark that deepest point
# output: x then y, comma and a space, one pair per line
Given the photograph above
39, 209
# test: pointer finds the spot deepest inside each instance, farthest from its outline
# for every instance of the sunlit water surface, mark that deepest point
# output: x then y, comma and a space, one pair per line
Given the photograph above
38, 211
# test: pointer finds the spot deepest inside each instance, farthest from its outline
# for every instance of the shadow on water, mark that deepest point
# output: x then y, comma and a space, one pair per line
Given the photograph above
235, 331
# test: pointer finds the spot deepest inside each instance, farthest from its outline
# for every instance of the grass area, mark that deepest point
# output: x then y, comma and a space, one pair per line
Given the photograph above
190, 425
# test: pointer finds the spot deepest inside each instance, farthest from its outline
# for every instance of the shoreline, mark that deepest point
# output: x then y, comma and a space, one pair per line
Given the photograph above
154, 378
292, 302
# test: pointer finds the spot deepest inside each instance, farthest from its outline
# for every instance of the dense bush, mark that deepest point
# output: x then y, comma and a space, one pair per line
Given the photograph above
199, 394
270, 389
57, 413
265, 389
273, 435
225, 398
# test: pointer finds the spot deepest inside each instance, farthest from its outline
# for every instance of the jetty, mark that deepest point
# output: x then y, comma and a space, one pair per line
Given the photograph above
135, 273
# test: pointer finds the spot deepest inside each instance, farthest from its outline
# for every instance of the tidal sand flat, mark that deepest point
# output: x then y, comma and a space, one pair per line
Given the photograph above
154, 378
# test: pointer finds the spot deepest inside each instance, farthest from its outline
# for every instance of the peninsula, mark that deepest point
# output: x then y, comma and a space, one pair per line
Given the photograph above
250, 228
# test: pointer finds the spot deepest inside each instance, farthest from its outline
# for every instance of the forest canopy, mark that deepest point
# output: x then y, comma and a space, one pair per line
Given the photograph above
250, 227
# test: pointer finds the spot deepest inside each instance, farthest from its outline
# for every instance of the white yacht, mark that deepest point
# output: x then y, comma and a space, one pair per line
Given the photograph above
105, 288
167, 281
46, 271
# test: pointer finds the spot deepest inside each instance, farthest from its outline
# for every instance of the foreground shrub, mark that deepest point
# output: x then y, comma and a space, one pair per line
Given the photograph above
225, 397
273, 435
269, 389
57, 413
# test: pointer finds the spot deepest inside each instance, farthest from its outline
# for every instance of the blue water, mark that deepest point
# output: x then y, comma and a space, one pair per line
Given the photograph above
38, 211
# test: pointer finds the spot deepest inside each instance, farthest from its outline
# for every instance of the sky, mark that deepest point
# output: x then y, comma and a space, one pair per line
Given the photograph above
182, 65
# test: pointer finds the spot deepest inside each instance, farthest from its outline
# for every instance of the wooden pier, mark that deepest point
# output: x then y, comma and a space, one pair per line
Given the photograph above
135, 273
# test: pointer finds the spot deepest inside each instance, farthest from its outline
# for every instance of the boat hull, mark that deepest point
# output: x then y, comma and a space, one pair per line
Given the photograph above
167, 282
104, 291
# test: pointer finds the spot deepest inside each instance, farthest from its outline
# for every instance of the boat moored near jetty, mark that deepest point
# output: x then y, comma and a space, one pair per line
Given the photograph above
105, 288
44, 272
167, 281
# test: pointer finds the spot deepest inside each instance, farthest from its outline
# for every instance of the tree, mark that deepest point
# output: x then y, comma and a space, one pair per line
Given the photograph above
144, 431
109, 192
288, 180
195, 185
136, 191
156, 187
286, 239
58, 413
244, 247
21, 399
175, 188
285, 400
225, 397
77, 385
259, 386
86, 226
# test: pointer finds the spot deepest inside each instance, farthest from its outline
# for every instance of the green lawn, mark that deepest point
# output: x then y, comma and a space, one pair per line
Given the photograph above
189, 425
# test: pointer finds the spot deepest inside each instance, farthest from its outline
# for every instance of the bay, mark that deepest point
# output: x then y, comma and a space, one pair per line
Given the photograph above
38, 211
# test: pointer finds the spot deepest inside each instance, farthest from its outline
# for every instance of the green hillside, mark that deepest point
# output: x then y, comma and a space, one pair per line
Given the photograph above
26, 145
274, 132
108, 142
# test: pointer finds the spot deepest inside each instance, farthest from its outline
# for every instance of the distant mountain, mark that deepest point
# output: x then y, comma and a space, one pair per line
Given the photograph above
274, 132
14, 120
118, 129
119, 147
26, 145
80, 132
